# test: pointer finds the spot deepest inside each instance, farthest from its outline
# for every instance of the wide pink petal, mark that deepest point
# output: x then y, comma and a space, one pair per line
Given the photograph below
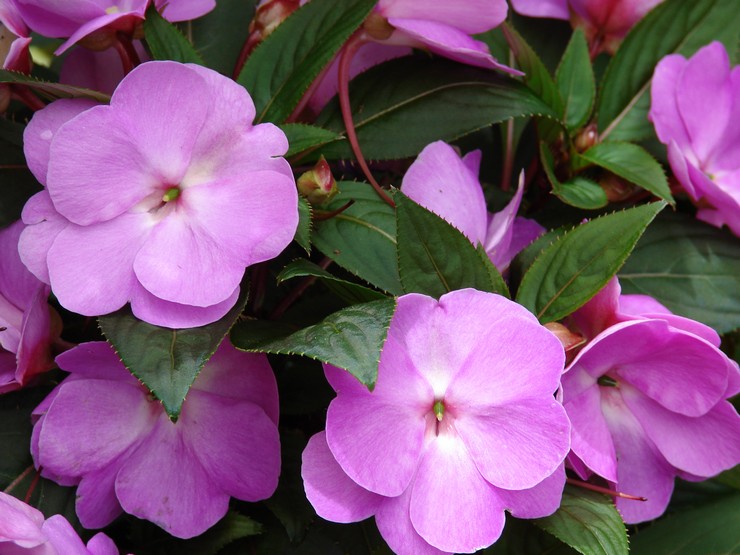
91, 423
57, 19
600, 312
180, 263
472, 16
19, 57
516, 445
17, 285
243, 376
43, 127
119, 20
538, 501
164, 482
10, 17
641, 470
440, 182
332, 493
95, 359
90, 267
44, 224
394, 524
557, 9
100, 544
523, 232
452, 506
97, 505
19, 522
705, 75
63, 537
591, 439
266, 199
90, 157
162, 103
447, 41
235, 441
726, 155
664, 111
183, 10
678, 159
159, 312
703, 446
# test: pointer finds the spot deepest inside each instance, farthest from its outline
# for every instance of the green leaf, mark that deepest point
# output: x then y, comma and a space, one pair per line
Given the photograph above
51, 90
232, 527
681, 26
589, 523
303, 231
362, 239
166, 42
531, 252
302, 137
710, 529
536, 75
575, 80
632, 162
220, 34
280, 70
730, 477
690, 267
353, 293
351, 338
167, 361
573, 269
579, 191
434, 257
403, 105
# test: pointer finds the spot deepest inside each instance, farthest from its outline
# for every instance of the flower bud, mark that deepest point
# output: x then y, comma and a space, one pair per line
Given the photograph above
616, 188
269, 15
586, 138
318, 185
570, 340
378, 27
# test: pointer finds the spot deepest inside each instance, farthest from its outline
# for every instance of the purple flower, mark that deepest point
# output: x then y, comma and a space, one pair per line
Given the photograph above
442, 182
462, 425
98, 21
703, 137
442, 27
646, 399
23, 531
101, 429
605, 22
96, 70
161, 199
25, 317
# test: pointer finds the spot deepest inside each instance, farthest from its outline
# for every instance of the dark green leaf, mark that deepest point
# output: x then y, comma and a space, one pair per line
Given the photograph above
710, 529
573, 269
353, 293
575, 80
302, 137
362, 239
681, 26
167, 361
435, 258
536, 75
730, 477
526, 257
303, 232
220, 34
280, 70
690, 267
166, 42
589, 523
522, 537
579, 191
232, 527
351, 338
51, 90
401, 106
631, 162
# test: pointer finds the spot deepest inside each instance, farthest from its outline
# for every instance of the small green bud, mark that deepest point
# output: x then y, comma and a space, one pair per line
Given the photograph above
318, 185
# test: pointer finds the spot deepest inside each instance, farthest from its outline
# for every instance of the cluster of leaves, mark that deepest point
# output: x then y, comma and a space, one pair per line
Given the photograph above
575, 125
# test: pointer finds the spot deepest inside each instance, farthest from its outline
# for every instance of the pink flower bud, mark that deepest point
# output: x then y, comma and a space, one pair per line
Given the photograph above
318, 185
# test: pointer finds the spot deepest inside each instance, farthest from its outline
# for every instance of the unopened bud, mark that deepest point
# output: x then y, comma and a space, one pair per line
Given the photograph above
378, 27
586, 138
570, 340
270, 14
318, 185
616, 188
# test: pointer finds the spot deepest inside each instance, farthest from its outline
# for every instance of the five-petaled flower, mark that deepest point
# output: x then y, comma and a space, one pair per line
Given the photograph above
461, 425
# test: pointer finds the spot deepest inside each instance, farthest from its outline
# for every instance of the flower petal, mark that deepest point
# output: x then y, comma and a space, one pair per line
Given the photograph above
557, 9
63, 537
44, 225
332, 493
472, 17
97, 505
538, 501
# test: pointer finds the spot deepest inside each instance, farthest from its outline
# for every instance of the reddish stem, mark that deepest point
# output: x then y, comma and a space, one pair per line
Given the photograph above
127, 52
321, 215
244, 53
308, 94
32, 487
605, 491
22, 476
23, 93
345, 61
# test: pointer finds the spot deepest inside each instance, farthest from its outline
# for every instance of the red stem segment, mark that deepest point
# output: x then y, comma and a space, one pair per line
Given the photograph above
126, 51
605, 491
24, 94
345, 61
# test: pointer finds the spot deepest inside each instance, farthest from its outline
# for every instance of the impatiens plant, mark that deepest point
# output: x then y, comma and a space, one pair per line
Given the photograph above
369, 277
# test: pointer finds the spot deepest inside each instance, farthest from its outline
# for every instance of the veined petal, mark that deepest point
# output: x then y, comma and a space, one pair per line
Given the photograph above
471, 17
538, 501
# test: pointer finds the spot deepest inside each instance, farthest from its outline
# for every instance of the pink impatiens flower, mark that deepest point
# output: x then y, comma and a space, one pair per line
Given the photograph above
442, 182
23, 531
161, 199
695, 109
605, 22
647, 400
98, 21
101, 429
25, 317
461, 425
